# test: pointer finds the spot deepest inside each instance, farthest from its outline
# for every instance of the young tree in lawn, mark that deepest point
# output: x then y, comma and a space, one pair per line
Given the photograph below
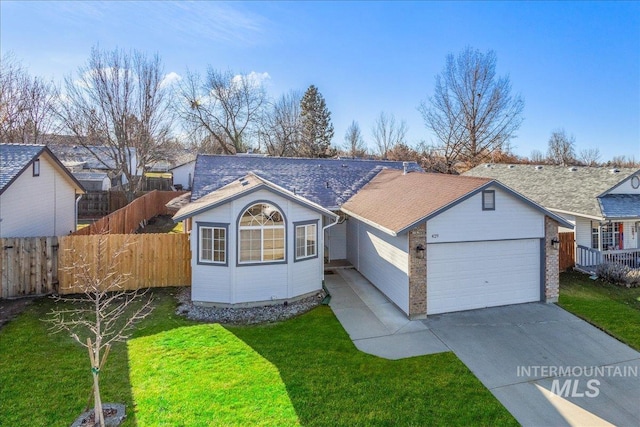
119, 100
103, 312
354, 143
26, 104
472, 111
317, 130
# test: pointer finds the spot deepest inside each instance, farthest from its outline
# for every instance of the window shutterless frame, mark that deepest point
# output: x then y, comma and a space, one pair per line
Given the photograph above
489, 200
213, 243
36, 167
305, 240
261, 234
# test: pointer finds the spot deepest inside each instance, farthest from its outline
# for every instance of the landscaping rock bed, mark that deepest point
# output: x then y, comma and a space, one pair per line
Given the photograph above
245, 316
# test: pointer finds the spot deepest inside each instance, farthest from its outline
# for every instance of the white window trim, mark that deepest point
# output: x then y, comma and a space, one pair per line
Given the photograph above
493, 196
315, 246
213, 227
262, 228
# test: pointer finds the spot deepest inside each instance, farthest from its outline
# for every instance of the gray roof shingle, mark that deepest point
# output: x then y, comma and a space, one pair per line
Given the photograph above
620, 205
14, 158
327, 182
569, 189
78, 153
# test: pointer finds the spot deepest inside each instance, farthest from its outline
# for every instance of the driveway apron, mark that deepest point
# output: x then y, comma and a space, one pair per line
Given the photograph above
546, 366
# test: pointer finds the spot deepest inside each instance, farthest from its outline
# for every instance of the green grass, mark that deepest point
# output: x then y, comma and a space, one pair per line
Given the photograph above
174, 372
614, 309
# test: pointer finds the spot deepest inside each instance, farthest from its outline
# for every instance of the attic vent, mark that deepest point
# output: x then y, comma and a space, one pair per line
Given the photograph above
573, 169
244, 183
327, 184
538, 167
511, 166
344, 165
614, 170
488, 165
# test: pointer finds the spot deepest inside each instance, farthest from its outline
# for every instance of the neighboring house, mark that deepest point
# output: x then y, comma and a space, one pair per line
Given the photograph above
93, 181
602, 202
38, 195
262, 228
183, 175
78, 158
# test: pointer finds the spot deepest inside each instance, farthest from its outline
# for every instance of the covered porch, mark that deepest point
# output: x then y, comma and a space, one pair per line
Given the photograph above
588, 259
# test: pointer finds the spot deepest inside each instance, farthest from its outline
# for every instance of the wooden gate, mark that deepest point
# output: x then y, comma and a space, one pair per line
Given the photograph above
29, 266
567, 251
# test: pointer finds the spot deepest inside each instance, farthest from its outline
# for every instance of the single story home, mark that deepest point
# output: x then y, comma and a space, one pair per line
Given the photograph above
603, 203
38, 195
262, 229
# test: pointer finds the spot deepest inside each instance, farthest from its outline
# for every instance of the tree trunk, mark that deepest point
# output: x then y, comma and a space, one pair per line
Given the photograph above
97, 410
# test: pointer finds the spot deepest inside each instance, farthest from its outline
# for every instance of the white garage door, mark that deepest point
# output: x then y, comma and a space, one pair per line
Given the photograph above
465, 276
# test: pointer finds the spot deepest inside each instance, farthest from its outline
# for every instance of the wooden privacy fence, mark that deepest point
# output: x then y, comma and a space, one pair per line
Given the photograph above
29, 266
147, 260
127, 219
567, 251
45, 265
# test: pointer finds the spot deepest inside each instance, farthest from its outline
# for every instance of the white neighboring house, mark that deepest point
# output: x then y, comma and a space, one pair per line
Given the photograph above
183, 174
38, 195
262, 228
602, 202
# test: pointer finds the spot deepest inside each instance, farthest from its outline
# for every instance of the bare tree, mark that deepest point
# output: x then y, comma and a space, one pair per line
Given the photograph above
537, 157
472, 112
26, 104
354, 143
103, 313
561, 149
387, 133
623, 162
224, 107
119, 100
280, 127
589, 156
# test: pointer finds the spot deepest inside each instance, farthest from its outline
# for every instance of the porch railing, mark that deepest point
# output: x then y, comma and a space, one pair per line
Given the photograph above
588, 259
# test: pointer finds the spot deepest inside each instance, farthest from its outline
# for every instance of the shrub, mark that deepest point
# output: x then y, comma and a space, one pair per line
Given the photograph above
619, 274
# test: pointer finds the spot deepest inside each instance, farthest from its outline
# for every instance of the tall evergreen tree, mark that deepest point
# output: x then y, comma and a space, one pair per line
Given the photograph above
317, 130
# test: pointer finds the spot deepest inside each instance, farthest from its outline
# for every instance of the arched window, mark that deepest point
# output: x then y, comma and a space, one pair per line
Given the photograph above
262, 234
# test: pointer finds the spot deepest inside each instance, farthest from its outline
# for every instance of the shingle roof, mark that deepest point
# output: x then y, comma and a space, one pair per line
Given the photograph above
568, 189
620, 205
327, 182
14, 158
247, 184
78, 153
396, 201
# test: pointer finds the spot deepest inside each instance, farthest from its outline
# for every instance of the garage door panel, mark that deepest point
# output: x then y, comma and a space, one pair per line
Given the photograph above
470, 275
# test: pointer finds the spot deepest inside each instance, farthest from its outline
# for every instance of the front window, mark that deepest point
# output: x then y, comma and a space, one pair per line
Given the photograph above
212, 245
262, 234
612, 236
306, 236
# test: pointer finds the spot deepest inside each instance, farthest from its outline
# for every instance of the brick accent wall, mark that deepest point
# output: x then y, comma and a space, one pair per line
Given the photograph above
551, 262
418, 273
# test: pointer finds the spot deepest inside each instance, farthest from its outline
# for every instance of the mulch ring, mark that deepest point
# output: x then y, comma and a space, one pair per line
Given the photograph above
10, 308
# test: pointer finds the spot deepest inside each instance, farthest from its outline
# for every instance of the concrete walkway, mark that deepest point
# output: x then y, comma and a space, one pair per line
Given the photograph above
375, 325
512, 350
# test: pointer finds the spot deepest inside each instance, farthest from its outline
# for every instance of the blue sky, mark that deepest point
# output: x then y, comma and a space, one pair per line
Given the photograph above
577, 64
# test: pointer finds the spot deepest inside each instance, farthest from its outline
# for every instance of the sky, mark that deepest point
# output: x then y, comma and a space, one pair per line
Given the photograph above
576, 64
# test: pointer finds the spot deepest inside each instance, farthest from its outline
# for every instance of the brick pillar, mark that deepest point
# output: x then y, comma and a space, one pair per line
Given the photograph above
418, 273
551, 262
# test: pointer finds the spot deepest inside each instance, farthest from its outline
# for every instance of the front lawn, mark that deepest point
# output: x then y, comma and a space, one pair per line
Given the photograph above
304, 371
614, 309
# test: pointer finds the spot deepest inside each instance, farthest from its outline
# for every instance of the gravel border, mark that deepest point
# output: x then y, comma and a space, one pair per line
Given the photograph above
245, 315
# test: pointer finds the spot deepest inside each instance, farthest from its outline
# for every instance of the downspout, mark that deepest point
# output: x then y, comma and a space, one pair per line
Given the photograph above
77, 201
326, 300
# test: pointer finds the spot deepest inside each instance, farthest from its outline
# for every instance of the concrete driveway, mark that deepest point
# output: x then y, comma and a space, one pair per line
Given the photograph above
546, 366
